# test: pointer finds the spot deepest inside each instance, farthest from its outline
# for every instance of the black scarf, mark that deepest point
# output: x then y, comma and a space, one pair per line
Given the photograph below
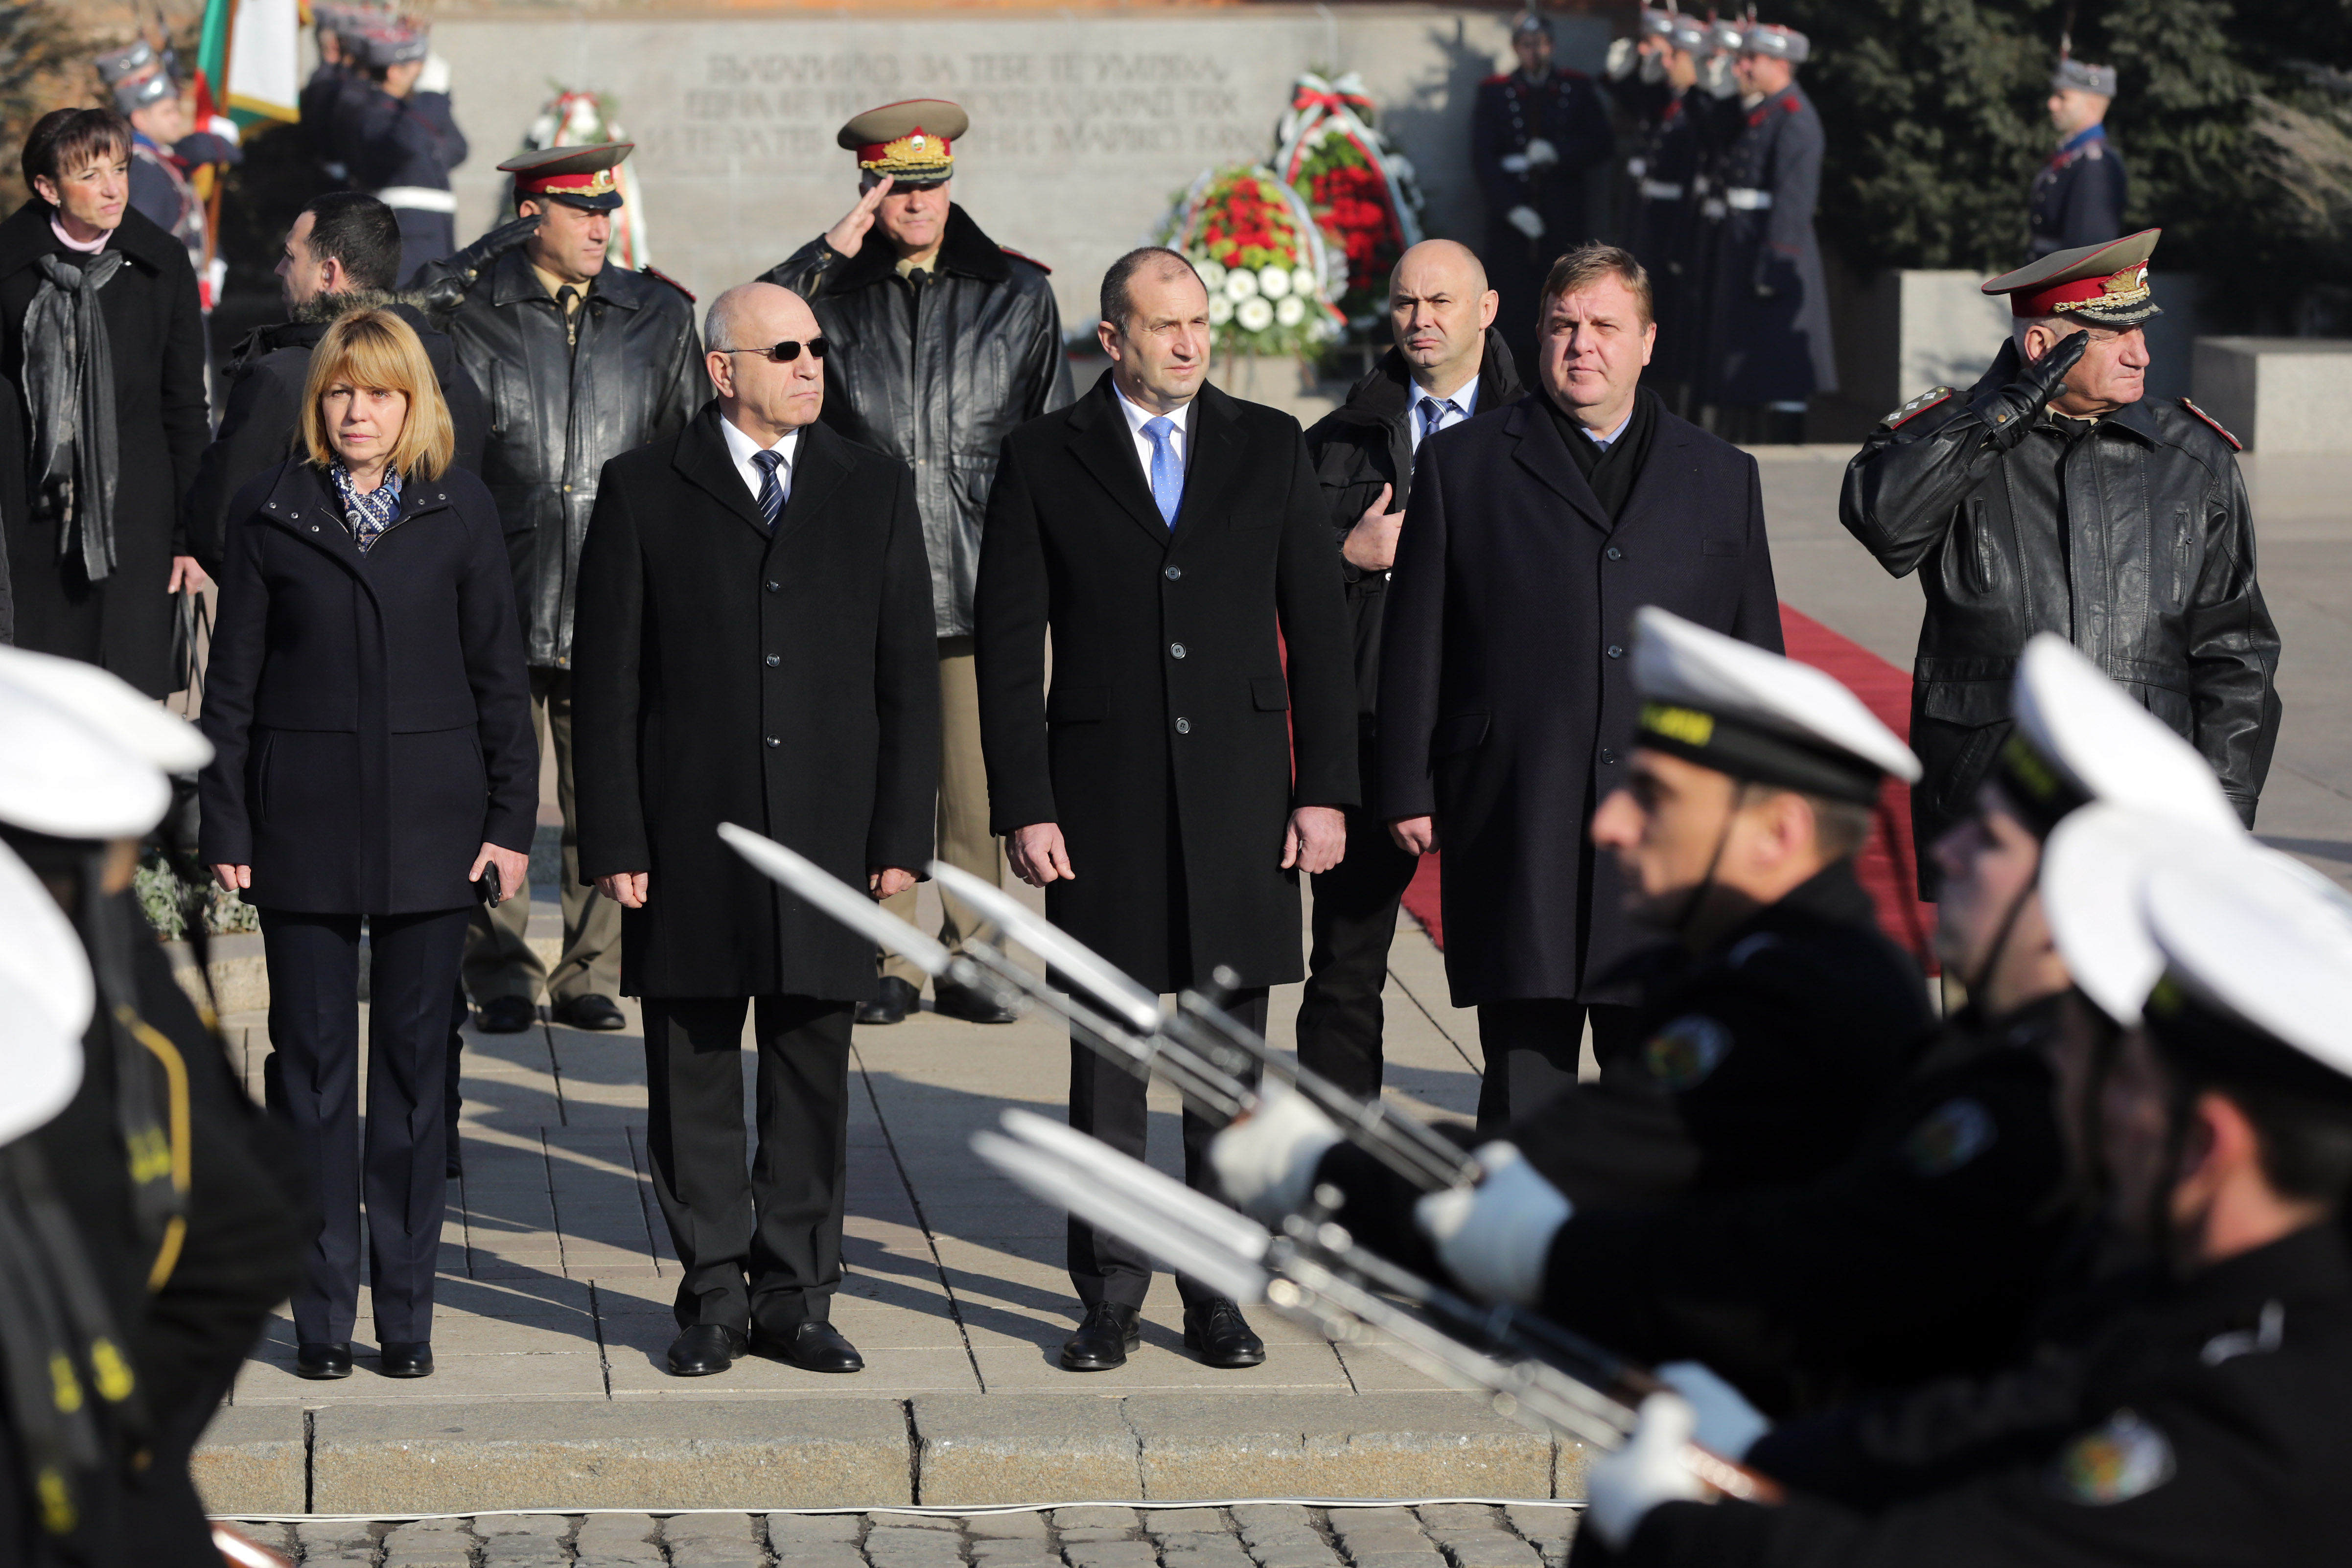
70, 394
1610, 470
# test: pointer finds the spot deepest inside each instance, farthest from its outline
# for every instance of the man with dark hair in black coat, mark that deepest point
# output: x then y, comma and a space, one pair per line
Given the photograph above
1174, 541
341, 254
755, 646
1507, 709
1448, 364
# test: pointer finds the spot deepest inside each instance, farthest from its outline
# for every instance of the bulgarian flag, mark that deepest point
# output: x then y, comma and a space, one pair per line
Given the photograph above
248, 67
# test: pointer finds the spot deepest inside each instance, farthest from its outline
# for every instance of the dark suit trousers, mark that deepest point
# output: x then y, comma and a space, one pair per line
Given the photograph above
760, 1248
1531, 1048
1353, 921
314, 979
1107, 1101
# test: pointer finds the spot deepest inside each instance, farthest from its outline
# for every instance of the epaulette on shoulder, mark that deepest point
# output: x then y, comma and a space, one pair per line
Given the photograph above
1030, 259
2218, 428
651, 271
1916, 407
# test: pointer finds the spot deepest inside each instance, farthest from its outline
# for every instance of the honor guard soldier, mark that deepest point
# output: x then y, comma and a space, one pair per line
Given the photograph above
939, 341
1634, 84
580, 362
2205, 1428
163, 150
1534, 134
2032, 499
1772, 1019
1927, 1251
1670, 188
397, 142
1769, 351
342, 44
2078, 195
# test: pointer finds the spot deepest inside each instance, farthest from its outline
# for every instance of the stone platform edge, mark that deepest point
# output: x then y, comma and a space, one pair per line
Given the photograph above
852, 1451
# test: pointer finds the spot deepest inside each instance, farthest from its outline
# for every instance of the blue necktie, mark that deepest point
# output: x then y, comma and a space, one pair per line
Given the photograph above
1432, 411
771, 491
1166, 474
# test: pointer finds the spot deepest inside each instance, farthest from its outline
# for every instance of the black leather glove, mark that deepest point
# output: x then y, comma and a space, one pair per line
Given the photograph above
2010, 411
457, 273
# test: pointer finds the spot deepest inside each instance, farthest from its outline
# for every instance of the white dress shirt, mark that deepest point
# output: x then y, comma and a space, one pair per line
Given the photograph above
740, 449
1464, 399
1137, 417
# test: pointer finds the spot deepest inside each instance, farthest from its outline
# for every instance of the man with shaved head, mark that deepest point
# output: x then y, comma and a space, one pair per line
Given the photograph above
753, 646
1449, 363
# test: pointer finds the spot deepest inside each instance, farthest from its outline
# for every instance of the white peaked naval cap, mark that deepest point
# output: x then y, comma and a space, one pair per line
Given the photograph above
2080, 738
113, 706
2094, 872
1732, 707
62, 776
2258, 969
45, 996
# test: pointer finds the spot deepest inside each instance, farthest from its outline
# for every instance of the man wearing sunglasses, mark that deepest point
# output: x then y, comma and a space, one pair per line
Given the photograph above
755, 646
942, 341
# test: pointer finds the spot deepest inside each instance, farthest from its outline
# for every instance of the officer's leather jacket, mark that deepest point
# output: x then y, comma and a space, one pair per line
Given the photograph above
2132, 539
558, 412
936, 376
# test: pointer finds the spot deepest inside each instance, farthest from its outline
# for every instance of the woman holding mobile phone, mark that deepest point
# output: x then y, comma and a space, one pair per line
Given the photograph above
368, 702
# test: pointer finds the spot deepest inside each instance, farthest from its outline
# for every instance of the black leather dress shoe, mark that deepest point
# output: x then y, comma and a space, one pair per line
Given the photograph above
322, 1358
1105, 1335
405, 1358
704, 1349
1217, 1332
897, 1000
814, 1346
509, 1015
952, 1000
591, 1011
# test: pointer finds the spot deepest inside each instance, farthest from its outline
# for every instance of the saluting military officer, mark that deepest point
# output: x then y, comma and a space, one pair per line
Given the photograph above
1768, 348
2078, 195
395, 136
1534, 134
939, 342
1772, 1017
2052, 494
581, 360
2206, 1429
1667, 231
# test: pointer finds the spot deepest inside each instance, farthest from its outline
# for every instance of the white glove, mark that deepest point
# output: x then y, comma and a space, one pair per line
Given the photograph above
1620, 59
435, 77
1527, 220
1494, 1238
1267, 1162
1623, 1487
1727, 1424
1541, 154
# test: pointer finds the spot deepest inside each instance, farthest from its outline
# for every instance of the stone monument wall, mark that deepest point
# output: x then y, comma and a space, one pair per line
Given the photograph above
1084, 125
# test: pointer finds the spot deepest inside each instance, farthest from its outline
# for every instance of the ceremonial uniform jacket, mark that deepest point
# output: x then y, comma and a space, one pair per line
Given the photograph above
1564, 109
2078, 196
1669, 189
2208, 1432
1921, 1254
937, 376
163, 193
1759, 1061
1362, 445
566, 397
1202, 688
1771, 306
2132, 539
401, 150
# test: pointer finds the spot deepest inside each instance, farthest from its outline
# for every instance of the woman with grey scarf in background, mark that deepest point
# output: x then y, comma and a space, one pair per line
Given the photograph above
103, 346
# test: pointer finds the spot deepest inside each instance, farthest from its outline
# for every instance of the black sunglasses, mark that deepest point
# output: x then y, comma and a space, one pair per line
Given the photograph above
783, 353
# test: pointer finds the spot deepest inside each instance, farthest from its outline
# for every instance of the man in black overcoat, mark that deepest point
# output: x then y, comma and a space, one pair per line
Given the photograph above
1507, 708
1175, 540
753, 646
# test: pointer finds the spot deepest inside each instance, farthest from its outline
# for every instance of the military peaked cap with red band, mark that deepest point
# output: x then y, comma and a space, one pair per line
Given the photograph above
577, 177
913, 142
2100, 285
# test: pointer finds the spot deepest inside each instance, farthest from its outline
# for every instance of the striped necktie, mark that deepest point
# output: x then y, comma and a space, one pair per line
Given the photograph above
771, 490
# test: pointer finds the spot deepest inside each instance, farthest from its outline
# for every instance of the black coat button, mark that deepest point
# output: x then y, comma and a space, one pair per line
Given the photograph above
1184, 727
1172, 573
773, 741
1607, 756
1175, 650
1615, 652
1616, 554
774, 659
773, 585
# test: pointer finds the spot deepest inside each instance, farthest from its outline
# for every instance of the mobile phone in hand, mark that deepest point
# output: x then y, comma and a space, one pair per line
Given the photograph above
486, 886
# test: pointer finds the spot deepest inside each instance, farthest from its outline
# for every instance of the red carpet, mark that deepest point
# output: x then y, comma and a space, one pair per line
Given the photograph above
1887, 867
